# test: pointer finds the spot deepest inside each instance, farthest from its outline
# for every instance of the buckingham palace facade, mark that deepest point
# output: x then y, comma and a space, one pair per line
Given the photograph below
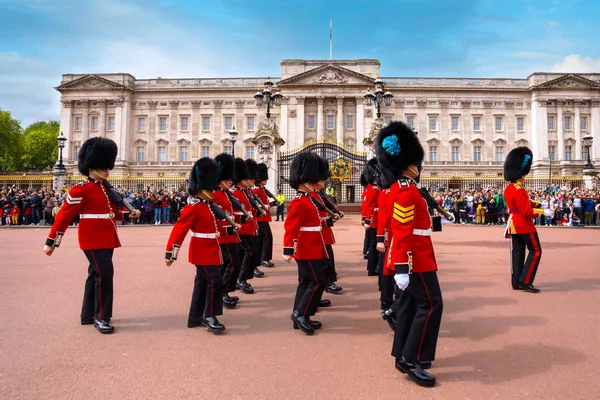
467, 126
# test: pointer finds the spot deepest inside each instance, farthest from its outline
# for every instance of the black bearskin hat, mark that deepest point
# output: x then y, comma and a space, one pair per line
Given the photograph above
304, 169
252, 168
363, 180
263, 172
241, 170
398, 147
371, 170
96, 153
324, 172
202, 176
226, 165
518, 163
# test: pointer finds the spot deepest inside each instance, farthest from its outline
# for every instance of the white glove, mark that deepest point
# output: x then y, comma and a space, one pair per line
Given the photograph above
402, 281
549, 214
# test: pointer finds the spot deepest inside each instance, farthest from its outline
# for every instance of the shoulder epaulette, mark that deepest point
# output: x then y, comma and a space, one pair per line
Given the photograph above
403, 183
193, 201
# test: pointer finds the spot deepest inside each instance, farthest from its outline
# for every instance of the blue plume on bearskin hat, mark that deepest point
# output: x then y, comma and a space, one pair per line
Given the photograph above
241, 170
518, 163
324, 172
263, 172
252, 168
304, 169
203, 176
397, 147
226, 165
96, 153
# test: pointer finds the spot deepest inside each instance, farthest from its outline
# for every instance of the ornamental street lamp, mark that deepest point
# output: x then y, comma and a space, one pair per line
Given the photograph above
587, 141
61, 145
232, 137
380, 96
268, 97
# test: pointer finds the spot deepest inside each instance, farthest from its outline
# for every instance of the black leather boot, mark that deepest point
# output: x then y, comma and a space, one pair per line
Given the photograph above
303, 323
415, 372
213, 324
104, 326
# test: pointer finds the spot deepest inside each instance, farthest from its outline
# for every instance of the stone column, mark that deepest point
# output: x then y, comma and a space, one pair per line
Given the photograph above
339, 131
360, 123
119, 127
298, 138
283, 125
66, 124
217, 127
173, 131
152, 128
577, 127
560, 131
595, 131
125, 130
85, 124
195, 152
320, 118
102, 118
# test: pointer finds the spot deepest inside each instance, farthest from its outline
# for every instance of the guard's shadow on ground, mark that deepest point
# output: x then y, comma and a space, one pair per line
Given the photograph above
483, 327
570, 285
514, 362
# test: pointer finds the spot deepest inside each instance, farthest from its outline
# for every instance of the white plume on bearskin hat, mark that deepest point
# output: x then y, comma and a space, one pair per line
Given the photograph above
304, 169
96, 153
263, 172
518, 163
203, 176
226, 165
241, 170
397, 147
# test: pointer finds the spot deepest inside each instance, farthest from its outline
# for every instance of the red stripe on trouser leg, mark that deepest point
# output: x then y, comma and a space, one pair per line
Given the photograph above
427, 320
99, 283
314, 290
536, 257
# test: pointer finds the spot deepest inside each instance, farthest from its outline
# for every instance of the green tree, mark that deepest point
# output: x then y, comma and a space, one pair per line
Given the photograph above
40, 149
10, 142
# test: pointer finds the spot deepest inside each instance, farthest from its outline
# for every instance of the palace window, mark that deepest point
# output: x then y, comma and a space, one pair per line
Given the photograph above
162, 121
310, 122
205, 151
250, 123
476, 123
206, 123
78, 123
410, 121
455, 153
550, 122
185, 122
552, 152
569, 153
432, 123
432, 153
76, 151
387, 119
141, 124
583, 123
183, 153
454, 123
477, 153
498, 123
94, 123
249, 152
111, 123
520, 124
567, 120
140, 154
349, 122
227, 149
330, 122
162, 153
499, 153
228, 123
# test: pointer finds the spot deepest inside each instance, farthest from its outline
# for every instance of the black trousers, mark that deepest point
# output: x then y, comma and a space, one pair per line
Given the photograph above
265, 239
98, 293
366, 245
523, 271
230, 269
330, 272
280, 212
248, 254
207, 298
418, 318
388, 290
372, 253
311, 283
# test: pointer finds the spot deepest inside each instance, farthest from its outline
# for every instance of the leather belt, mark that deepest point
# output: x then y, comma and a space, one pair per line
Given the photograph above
95, 216
204, 235
422, 232
311, 228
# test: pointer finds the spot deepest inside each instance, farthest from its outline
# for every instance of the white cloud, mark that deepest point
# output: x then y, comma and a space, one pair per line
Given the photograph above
554, 24
576, 63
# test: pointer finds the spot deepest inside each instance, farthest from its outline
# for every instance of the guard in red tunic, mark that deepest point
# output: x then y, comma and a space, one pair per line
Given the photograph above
228, 238
265, 236
97, 230
303, 241
259, 210
520, 227
384, 226
369, 216
411, 254
204, 252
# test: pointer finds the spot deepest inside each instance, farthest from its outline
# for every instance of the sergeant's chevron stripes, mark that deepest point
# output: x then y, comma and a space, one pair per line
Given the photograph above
404, 214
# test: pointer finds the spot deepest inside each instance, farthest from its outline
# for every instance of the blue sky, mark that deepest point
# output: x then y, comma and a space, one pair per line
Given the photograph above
42, 39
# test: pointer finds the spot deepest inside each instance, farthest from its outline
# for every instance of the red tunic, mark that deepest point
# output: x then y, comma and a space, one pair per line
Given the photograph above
260, 192
226, 235
204, 245
521, 208
369, 205
97, 229
248, 227
411, 230
326, 221
303, 238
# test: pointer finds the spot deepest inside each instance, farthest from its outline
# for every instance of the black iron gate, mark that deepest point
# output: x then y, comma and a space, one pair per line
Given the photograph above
345, 167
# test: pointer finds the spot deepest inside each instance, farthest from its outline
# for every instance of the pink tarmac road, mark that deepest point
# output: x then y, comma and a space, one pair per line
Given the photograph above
495, 343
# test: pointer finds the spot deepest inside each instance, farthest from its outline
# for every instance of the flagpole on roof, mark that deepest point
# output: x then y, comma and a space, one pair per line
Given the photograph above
330, 39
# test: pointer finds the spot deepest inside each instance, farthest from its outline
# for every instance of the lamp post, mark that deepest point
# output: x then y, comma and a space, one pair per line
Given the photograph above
589, 172
232, 137
268, 97
380, 96
587, 141
61, 145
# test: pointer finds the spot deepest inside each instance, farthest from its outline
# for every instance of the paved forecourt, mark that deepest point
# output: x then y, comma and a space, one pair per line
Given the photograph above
494, 342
